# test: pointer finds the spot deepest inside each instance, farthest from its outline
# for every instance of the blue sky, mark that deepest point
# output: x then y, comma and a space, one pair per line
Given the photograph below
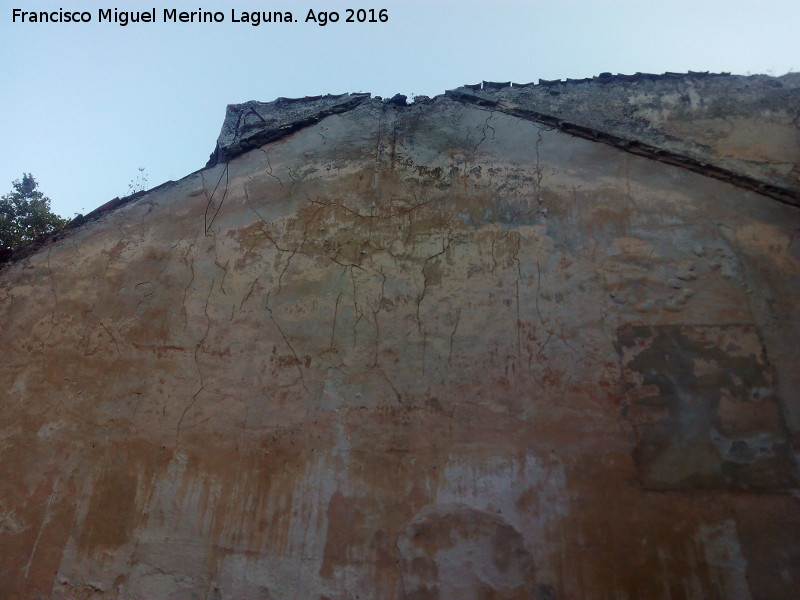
83, 106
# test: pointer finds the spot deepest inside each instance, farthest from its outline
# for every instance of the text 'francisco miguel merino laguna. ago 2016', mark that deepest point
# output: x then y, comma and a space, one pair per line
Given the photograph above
172, 15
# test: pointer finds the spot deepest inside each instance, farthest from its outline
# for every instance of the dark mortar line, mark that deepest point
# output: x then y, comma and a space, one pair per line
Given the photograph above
637, 148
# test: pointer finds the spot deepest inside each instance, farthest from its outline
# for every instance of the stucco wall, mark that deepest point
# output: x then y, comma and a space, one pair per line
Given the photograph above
434, 351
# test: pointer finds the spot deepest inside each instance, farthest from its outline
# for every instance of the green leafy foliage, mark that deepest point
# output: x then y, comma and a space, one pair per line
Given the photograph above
25, 214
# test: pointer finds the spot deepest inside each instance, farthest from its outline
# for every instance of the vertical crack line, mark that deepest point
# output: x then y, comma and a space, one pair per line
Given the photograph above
494, 256
332, 346
45, 520
519, 322
224, 269
377, 338
409, 231
483, 132
561, 338
379, 143
357, 312
250, 291
393, 146
249, 204
538, 287
424, 333
369, 224
421, 296
308, 222
288, 343
452, 335
186, 408
375, 318
546, 341
111, 335
52, 288
241, 441
207, 224
294, 353
627, 163
269, 165
285, 267
538, 169
391, 384
400, 568
294, 181
138, 402
190, 264
197, 348
745, 279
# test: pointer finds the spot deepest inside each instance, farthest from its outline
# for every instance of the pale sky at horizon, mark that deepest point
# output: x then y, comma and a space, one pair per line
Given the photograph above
85, 105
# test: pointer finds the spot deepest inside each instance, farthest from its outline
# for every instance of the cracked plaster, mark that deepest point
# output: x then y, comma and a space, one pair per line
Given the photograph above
384, 356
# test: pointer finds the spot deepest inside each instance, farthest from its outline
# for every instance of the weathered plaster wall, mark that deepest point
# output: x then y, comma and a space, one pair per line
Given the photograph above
749, 125
435, 351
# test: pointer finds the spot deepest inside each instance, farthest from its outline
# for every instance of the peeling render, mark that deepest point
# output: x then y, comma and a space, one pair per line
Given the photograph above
449, 349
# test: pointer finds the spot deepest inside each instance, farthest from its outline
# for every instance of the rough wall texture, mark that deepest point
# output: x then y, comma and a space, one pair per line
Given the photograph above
749, 126
434, 351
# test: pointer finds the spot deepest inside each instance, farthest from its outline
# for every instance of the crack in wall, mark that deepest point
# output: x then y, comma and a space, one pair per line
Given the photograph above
42, 525
111, 335
52, 289
298, 364
483, 131
332, 345
538, 170
635, 147
224, 270
210, 199
269, 167
421, 296
518, 322
375, 319
197, 348
357, 313
452, 336
190, 265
